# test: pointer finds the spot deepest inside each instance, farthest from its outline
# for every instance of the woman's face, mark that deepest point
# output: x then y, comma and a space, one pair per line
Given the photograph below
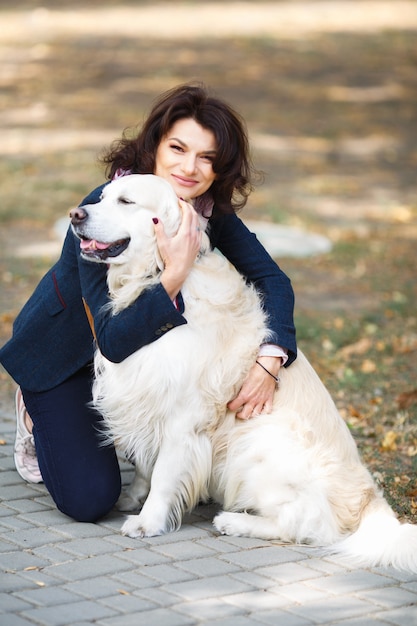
185, 158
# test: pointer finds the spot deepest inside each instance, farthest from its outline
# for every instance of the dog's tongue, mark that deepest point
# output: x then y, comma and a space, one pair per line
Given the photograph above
92, 244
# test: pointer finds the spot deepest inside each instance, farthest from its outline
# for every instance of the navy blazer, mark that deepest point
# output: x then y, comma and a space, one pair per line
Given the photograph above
52, 338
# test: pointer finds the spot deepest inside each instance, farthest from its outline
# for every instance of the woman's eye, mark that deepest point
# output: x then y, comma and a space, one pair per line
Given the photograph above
178, 148
123, 200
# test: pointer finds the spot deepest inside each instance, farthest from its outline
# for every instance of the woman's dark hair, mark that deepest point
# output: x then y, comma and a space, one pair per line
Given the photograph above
232, 164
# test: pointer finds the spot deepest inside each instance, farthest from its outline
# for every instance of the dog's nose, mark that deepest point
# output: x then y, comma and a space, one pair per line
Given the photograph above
78, 215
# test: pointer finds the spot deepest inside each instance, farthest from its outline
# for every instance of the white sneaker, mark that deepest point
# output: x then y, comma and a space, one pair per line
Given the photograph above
25, 457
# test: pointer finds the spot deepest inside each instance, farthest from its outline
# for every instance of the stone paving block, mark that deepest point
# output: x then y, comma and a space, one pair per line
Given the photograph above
256, 600
24, 506
47, 596
14, 620
206, 611
11, 582
210, 566
368, 620
128, 603
135, 578
159, 617
254, 579
53, 553
236, 621
278, 617
244, 543
325, 566
218, 544
119, 541
13, 523
159, 596
88, 567
143, 556
80, 530
168, 573
37, 578
299, 592
204, 588
11, 603
5, 510
68, 613
389, 597
350, 582
333, 609
7, 461
289, 572
261, 557
88, 546
404, 616
185, 533
34, 537
98, 587
16, 492
17, 560
183, 550
51, 518
9, 477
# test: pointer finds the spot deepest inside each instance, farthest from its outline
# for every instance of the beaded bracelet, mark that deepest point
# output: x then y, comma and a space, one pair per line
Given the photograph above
276, 378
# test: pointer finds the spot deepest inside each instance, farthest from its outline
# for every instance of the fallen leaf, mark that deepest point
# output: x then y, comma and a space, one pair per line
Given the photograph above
353, 412
368, 366
406, 399
388, 443
359, 347
123, 592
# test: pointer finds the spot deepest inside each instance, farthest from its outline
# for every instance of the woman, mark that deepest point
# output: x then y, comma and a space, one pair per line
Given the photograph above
199, 144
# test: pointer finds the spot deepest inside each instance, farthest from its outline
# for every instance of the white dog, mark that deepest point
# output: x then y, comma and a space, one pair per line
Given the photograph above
293, 475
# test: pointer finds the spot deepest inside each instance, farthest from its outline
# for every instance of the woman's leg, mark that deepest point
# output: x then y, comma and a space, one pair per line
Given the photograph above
81, 474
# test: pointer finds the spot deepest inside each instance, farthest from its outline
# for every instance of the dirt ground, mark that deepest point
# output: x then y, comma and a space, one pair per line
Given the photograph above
328, 90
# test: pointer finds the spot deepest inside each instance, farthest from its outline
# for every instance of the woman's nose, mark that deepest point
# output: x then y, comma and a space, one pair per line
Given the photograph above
189, 164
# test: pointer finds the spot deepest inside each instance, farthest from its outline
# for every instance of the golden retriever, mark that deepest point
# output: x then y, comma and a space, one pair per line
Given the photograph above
294, 474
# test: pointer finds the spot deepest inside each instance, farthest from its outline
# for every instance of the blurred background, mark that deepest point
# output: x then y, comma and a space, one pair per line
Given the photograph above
329, 93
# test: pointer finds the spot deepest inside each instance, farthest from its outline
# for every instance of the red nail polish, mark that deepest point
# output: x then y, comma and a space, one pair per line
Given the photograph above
155, 220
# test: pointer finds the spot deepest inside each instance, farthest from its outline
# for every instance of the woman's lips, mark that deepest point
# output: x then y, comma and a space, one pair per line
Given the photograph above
185, 182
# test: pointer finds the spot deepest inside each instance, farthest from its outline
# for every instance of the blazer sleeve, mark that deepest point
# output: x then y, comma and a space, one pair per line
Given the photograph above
241, 247
145, 320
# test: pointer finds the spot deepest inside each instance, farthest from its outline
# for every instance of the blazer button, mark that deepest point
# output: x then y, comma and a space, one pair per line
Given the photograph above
158, 332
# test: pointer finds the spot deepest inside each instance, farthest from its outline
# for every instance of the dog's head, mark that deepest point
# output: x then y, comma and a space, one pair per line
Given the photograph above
119, 227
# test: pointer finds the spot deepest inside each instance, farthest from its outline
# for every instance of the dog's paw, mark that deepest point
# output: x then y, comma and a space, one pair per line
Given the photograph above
134, 527
229, 524
127, 503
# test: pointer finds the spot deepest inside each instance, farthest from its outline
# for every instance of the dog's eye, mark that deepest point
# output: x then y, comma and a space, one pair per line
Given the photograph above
123, 200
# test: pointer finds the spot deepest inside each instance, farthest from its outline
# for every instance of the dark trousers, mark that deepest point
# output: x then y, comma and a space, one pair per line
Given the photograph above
81, 474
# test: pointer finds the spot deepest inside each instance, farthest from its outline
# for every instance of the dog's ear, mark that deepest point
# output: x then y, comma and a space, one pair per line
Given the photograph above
170, 213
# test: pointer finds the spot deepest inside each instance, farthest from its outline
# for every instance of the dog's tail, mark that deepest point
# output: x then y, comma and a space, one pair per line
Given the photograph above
381, 540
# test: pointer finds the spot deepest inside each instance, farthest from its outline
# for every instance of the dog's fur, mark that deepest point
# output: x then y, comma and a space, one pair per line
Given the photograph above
293, 475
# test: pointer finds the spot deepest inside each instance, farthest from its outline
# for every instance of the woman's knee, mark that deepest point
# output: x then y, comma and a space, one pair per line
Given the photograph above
91, 502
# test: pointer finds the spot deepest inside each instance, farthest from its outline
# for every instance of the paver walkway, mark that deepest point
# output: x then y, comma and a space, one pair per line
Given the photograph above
58, 572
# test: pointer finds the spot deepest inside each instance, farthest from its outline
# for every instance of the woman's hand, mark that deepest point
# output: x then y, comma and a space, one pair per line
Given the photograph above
180, 251
257, 393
